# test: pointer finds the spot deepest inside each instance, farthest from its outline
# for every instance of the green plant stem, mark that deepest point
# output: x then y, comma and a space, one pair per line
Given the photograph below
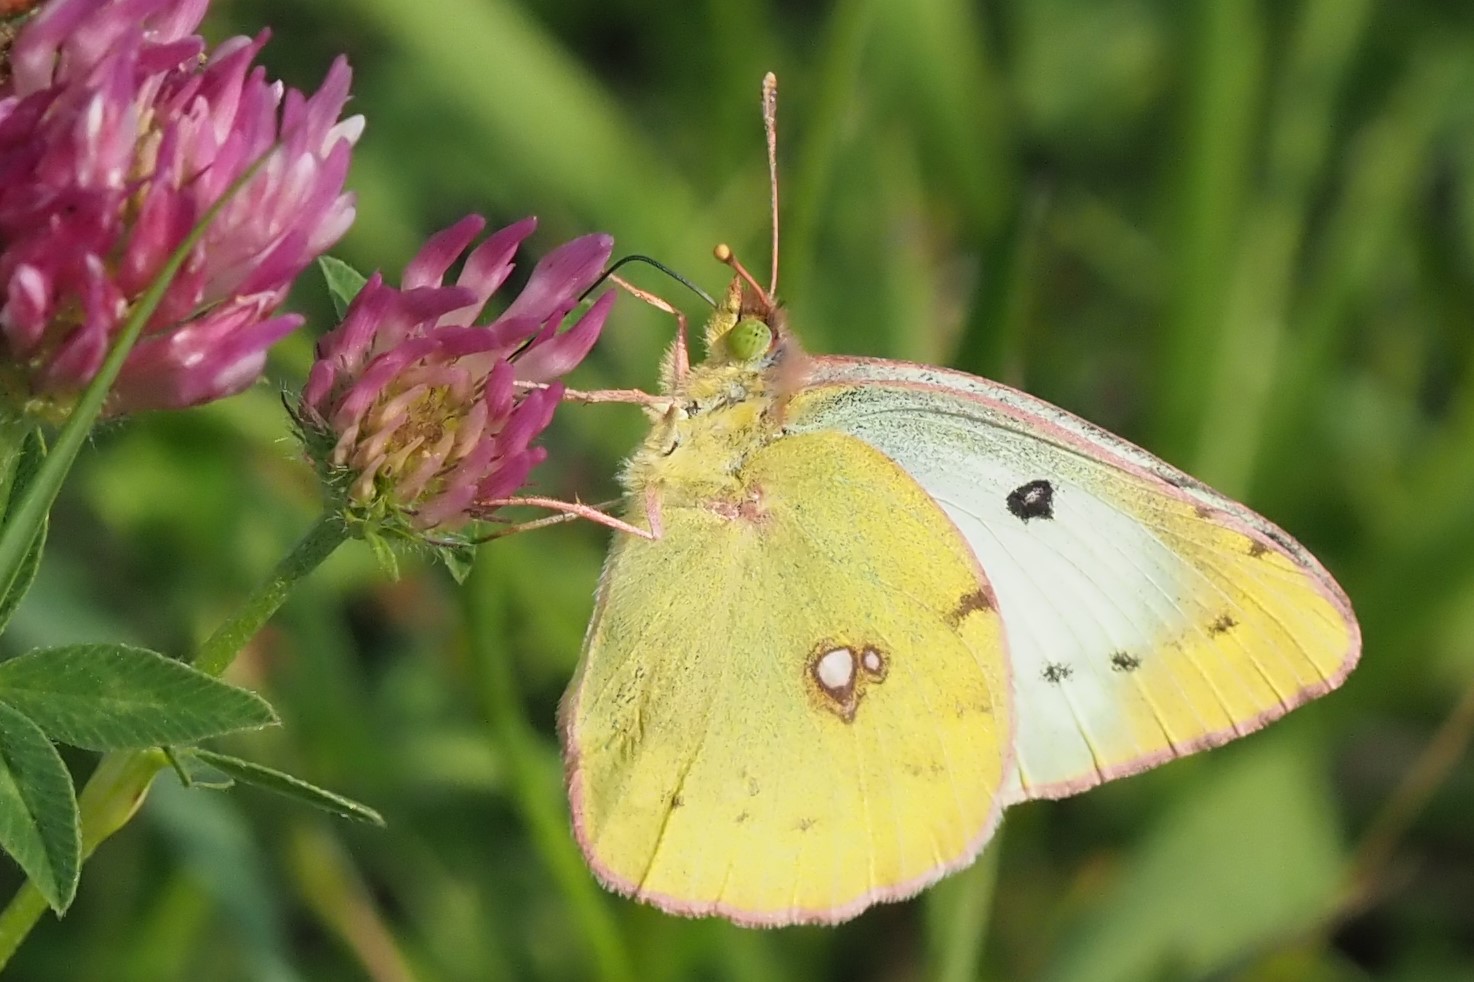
1429, 773
1364, 882
220, 648
957, 913
117, 787
534, 774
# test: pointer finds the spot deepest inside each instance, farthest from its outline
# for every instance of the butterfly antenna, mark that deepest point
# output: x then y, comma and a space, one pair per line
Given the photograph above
770, 128
724, 254
658, 265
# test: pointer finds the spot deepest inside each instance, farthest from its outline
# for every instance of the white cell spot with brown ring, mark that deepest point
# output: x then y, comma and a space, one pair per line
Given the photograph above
841, 672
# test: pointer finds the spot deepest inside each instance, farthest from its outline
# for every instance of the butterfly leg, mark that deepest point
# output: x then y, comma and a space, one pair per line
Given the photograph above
567, 511
680, 353
639, 397
652, 513
512, 528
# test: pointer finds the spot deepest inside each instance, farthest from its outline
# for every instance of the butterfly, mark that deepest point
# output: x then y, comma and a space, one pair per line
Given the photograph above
879, 602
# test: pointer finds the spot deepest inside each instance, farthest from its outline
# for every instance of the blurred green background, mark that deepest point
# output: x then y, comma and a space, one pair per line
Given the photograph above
1240, 233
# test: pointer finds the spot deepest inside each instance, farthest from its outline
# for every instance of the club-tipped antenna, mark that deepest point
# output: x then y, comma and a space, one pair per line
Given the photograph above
770, 127
724, 254
635, 258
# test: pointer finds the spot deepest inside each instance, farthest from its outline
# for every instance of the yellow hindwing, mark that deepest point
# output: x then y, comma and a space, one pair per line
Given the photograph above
794, 703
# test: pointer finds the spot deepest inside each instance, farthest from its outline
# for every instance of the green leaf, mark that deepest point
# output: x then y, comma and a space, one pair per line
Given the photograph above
28, 458
20, 584
343, 282
116, 697
39, 823
383, 552
12, 591
286, 784
458, 558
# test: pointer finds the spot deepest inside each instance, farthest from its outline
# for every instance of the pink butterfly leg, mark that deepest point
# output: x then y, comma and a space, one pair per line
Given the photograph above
682, 358
638, 397
567, 511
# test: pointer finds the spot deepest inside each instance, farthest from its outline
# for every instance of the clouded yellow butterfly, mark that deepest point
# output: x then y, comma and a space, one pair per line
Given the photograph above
883, 601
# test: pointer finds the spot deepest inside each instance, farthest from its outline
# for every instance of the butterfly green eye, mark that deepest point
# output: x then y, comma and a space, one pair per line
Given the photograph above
748, 339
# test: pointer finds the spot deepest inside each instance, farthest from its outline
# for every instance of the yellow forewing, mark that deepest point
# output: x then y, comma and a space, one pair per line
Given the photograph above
1147, 616
795, 702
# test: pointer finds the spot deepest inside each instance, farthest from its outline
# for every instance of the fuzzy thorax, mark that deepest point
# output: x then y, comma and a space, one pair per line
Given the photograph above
722, 411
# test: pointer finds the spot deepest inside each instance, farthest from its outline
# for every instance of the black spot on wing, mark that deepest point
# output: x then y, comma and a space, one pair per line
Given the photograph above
1032, 500
1222, 624
1122, 661
1057, 672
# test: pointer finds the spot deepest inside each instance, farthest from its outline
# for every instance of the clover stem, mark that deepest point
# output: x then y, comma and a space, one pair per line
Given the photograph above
221, 647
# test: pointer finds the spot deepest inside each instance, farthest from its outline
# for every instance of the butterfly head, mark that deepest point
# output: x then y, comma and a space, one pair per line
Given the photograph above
748, 330
739, 331
728, 405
